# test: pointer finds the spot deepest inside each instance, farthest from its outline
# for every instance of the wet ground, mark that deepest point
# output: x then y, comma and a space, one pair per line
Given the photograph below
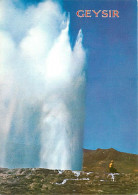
44, 181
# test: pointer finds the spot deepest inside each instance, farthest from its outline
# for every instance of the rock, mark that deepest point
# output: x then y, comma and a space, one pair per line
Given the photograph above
44, 181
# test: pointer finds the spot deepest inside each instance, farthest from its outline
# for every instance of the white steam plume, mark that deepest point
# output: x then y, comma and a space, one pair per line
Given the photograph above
42, 87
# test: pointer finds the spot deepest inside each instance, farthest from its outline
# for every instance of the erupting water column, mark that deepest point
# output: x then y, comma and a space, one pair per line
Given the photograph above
42, 89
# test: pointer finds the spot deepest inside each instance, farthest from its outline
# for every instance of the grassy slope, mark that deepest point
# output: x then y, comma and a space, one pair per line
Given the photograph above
98, 160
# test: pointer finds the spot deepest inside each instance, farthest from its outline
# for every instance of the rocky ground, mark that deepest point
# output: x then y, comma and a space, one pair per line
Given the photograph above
94, 179
44, 181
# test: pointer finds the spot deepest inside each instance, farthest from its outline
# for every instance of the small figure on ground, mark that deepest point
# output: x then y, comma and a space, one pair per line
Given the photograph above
111, 167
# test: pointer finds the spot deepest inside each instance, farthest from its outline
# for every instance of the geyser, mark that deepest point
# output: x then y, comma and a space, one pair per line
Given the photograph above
42, 88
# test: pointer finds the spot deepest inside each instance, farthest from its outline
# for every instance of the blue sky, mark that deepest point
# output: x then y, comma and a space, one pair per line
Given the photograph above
111, 75
111, 94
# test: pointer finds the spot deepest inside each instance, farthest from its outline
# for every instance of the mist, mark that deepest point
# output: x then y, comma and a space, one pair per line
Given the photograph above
42, 88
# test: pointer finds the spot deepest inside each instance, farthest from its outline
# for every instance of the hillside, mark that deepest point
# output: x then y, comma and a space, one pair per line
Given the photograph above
94, 179
98, 160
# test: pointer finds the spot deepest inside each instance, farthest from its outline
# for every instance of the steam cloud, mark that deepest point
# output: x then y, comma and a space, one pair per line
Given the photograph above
42, 88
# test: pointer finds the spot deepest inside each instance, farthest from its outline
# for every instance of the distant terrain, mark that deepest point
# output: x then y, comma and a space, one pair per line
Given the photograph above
98, 160
93, 179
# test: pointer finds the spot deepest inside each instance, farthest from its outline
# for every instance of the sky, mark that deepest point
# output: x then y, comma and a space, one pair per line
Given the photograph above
111, 89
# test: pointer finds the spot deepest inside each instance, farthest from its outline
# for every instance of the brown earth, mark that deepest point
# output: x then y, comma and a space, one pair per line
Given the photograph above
94, 179
98, 160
